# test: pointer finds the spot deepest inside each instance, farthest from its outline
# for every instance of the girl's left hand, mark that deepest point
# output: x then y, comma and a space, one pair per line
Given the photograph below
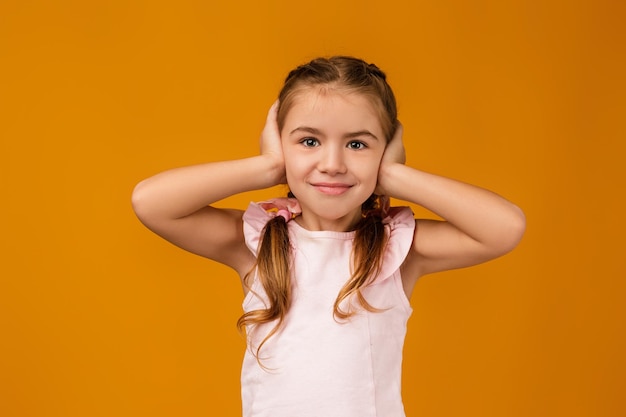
394, 154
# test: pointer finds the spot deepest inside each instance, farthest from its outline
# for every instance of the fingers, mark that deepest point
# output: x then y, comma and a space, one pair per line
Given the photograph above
271, 146
273, 112
399, 131
394, 152
270, 136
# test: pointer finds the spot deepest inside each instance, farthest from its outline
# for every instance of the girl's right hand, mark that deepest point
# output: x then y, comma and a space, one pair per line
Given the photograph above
178, 204
271, 145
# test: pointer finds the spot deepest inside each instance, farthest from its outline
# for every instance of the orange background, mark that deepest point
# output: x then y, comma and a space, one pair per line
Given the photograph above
99, 317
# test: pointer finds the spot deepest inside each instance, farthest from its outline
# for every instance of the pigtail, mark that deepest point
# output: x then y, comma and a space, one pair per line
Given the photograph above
273, 270
367, 255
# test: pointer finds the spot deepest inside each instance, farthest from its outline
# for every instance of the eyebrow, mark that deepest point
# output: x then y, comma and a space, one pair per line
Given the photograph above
315, 131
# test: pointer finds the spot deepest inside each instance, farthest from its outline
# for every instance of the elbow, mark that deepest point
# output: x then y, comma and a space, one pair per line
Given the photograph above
513, 231
140, 202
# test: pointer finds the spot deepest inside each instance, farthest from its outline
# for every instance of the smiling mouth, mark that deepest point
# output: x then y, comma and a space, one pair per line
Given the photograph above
331, 189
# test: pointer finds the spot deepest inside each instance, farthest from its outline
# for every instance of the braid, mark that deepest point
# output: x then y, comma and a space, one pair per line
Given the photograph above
374, 70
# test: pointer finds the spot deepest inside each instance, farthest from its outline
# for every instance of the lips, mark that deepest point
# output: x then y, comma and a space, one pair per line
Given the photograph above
331, 188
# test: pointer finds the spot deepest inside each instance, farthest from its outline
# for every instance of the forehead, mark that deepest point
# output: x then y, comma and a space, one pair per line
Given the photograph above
333, 108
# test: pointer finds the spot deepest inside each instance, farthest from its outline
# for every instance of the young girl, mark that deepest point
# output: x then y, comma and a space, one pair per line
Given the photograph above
327, 273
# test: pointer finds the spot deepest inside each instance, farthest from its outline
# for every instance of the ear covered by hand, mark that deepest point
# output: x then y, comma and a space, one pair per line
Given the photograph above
394, 154
271, 145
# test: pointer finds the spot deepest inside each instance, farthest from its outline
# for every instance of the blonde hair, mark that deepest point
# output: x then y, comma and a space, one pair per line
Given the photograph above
355, 76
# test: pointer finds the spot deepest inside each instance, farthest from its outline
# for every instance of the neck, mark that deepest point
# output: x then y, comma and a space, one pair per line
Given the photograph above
310, 221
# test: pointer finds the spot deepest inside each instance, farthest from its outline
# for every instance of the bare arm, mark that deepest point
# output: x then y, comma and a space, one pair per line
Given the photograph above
478, 225
175, 204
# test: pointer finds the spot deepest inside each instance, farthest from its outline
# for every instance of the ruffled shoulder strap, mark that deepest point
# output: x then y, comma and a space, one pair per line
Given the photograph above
254, 220
257, 215
400, 226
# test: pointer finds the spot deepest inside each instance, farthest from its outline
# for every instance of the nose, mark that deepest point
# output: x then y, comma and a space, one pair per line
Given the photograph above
332, 160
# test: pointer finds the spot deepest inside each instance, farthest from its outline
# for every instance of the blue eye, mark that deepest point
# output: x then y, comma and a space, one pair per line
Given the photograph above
309, 142
355, 144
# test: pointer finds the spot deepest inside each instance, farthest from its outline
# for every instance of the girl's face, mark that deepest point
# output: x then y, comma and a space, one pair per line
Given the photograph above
333, 143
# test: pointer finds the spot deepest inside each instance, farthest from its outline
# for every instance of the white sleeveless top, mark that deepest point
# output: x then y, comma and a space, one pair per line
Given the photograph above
317, 366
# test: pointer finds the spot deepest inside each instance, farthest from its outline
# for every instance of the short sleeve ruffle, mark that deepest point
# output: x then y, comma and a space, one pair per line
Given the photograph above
254, 220
400, 225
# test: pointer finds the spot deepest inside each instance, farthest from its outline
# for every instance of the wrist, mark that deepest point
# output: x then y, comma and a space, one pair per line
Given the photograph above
273, 170
386, 182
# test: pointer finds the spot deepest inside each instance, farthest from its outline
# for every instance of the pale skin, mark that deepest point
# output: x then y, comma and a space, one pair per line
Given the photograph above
332, 153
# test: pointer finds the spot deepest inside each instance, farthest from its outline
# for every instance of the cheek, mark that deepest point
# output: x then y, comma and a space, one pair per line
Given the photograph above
372, 172
374, 164
291, 164
294, 171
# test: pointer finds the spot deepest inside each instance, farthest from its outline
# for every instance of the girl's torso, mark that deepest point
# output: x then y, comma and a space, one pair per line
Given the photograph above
316, 364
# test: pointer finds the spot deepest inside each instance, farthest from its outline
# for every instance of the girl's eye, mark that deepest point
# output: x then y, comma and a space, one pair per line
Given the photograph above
357, 145
309, 142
